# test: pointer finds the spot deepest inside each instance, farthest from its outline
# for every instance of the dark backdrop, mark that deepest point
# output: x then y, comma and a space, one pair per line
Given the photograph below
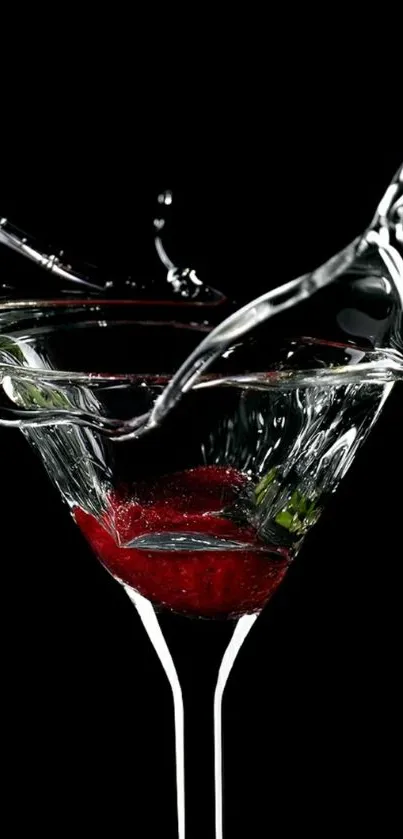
312, 718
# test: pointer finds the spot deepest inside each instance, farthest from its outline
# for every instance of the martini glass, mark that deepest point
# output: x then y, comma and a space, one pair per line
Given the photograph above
200, 518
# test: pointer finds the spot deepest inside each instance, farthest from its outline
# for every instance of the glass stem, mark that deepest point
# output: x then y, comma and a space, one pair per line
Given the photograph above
242, 628
152, 626
155, 634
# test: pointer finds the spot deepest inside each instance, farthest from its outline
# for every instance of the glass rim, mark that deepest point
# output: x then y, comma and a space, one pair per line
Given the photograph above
382, 369
320, 376
96, 307
28, 303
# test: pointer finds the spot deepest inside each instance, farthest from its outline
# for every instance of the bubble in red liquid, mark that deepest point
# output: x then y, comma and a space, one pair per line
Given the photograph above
203, 583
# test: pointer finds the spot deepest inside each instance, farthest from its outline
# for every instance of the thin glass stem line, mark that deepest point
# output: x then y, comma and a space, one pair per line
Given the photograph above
155, 634
243, 627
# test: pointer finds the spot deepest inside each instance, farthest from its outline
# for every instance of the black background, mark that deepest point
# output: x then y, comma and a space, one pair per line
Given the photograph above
312, 709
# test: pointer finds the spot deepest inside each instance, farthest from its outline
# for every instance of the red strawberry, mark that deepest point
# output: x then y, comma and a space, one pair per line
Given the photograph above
206, 583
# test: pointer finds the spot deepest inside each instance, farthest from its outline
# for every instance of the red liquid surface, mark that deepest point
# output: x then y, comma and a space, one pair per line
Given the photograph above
204, 583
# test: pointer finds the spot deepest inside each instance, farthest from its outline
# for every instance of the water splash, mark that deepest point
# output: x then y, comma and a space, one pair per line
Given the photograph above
168, 279
376, 253
384, 233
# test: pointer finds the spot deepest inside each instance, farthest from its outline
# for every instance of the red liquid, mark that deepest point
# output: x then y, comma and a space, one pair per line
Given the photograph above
204, 583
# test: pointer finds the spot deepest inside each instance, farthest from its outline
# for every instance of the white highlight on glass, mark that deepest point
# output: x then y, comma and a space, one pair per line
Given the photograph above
241, 630
155, 634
